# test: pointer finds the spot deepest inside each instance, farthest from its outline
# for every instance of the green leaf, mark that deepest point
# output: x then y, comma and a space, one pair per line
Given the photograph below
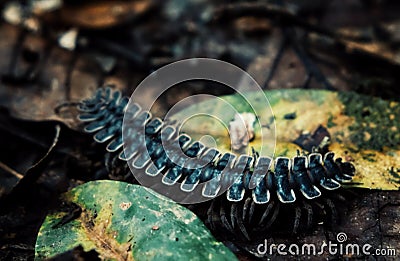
363, 129
128, 222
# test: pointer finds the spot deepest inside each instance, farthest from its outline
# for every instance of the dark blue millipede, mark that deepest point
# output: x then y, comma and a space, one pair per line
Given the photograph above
255, 181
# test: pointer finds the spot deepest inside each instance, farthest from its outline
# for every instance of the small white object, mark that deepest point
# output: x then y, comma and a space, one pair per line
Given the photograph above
68, 39
42, 6
241, 130
12, 13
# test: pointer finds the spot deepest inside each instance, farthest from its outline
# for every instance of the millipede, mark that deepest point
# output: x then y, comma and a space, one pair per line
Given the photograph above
259, 186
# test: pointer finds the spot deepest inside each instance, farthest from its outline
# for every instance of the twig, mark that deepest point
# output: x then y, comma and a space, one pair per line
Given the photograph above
11, 171
275, 62
309, 65
10, 75
68, 74
55, 141
278, 13
34, 172
117, 50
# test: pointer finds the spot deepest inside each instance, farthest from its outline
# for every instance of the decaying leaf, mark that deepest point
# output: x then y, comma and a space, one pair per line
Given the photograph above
363, 129
101, 14
122, 221
13, 180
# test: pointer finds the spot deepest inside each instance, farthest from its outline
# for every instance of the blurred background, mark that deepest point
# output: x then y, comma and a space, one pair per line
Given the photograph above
54, 53
65, 49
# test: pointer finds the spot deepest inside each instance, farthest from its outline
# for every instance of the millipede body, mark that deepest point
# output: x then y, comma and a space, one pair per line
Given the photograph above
155, 146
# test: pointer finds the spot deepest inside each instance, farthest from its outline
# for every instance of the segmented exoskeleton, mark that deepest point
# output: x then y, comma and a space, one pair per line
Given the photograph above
246, 191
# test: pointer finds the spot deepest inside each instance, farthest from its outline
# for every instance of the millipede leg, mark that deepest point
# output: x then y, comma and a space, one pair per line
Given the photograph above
334, 214
343, 195
297, 216
274, 216
224, 220
251, 212
264, 224
241, 225
310, 213
246, 208
266, 213
108, 162
210, 215
322, 207
233, 214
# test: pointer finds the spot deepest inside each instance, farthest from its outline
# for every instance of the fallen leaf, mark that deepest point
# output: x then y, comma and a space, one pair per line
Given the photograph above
122, 221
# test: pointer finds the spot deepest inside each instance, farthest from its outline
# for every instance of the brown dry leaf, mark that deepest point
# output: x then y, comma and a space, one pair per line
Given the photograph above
250, 24
14, 180
101, 14
46, 96
49, 101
